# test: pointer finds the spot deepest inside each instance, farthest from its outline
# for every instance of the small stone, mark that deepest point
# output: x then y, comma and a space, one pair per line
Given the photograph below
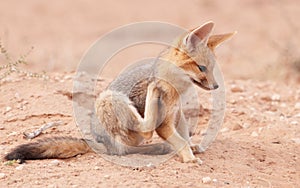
297, 105
215, 180
296, 140
232, 101
225, 129
2, 175
106, 176
206, 180
56, 78
294, 123
297, 115
12, 133
283, 105
266, 98
20, 167
282, 118
25, 102
203, 132
275, 97
236, 89
236, 127
17, 96
2, 128
254, 134
150, 165
68, 77
246, 125
55, 162
97, 168
8, 108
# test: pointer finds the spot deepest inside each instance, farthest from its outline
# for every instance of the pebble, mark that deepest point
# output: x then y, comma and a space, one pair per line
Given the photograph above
246, 125
55, 162
12, 133
296, 140
17, 95
150, 165
254, 134
97, 168
106, 176
294, 123
20, 167
237, 126
8, 108
25, 102
266, 98
297, 105
232, 101
283, 105
2, 128
236, 89
275, 97
206, 180
2, 175
282, 118
225, 129
203, 132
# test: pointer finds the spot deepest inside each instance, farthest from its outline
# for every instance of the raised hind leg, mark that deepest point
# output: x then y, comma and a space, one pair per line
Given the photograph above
121, 121
152, 112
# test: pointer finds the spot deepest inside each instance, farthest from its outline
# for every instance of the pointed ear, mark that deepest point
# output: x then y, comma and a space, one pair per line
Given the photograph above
216, 40
198, 35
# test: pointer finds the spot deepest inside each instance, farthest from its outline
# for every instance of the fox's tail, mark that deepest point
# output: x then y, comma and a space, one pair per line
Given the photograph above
57, 147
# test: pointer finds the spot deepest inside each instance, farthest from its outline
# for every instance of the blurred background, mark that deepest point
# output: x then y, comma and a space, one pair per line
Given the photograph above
265, 48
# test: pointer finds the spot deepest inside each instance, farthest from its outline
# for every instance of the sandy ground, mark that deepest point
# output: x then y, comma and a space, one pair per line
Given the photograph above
259, 143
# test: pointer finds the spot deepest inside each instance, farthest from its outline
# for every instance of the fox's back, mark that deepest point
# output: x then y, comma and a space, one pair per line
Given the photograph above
133, 82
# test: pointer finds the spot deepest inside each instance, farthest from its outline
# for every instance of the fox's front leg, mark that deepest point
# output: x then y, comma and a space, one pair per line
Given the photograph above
183, 130
168, 132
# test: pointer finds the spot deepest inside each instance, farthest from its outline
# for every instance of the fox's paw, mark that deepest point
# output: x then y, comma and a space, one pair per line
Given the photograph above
196, 148
195, 160
153, 90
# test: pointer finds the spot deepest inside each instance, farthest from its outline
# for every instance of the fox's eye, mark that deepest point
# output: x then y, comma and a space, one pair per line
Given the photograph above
202, 68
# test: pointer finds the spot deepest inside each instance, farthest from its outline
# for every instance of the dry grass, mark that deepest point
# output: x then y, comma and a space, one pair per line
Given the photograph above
9, 66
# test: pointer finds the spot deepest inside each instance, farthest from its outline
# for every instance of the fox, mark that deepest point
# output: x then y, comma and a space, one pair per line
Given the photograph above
143, 100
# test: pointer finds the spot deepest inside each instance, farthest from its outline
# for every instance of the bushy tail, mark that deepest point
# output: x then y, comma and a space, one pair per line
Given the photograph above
56, 147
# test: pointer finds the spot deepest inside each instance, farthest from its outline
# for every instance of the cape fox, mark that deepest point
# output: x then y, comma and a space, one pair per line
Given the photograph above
143, 100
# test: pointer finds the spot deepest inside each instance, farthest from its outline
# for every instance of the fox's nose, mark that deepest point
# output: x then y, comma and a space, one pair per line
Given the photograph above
216, 86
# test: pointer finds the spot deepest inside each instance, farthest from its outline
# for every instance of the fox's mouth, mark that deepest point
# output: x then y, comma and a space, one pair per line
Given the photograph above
200, 84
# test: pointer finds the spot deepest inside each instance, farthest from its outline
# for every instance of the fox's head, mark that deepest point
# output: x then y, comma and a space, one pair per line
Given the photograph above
196, 55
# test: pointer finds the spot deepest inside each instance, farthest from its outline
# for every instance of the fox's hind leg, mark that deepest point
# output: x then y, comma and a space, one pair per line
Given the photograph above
152, 112
121, 120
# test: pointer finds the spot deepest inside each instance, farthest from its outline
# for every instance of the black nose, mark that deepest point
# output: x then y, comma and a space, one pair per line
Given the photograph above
216, 86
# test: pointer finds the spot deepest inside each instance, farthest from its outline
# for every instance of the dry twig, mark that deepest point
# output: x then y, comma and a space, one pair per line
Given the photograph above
41, 129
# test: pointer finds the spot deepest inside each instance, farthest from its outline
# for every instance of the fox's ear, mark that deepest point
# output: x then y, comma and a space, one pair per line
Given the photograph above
200, 34
216, 40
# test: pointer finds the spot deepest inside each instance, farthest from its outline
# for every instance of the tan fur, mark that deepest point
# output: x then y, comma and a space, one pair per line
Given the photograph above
145, 99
